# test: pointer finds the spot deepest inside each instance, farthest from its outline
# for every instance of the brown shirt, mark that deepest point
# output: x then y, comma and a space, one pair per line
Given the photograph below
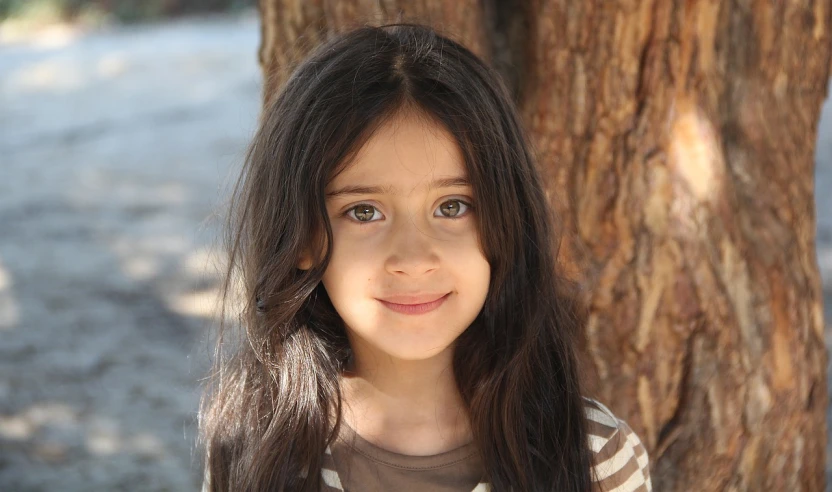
363, 466
354, 464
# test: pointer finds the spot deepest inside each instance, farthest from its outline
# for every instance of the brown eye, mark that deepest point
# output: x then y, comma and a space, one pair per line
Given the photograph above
451, 208
363, 212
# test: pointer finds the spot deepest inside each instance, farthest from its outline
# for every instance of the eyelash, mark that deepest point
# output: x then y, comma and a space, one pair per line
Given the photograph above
465, 214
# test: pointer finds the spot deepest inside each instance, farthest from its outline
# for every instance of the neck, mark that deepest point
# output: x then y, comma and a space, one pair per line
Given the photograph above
411, 407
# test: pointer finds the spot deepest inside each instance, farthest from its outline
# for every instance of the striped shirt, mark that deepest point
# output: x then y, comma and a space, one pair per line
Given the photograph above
621, 461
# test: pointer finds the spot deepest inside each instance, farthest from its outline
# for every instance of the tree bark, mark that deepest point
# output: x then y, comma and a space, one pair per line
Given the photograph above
677, 142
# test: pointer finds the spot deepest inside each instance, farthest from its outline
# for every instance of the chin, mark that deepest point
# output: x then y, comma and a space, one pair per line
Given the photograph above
416, 351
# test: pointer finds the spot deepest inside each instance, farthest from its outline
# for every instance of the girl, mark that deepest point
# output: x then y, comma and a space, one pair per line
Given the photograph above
403, 325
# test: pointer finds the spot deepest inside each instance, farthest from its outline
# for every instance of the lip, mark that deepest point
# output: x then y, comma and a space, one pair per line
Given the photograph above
415, 304
412, 299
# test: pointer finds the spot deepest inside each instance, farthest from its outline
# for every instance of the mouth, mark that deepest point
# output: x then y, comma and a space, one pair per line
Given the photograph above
414, 304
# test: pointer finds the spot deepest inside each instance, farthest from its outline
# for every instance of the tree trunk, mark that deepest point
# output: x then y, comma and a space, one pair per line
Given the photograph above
677, 141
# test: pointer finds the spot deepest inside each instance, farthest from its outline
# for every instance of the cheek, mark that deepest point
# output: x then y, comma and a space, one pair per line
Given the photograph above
474, 274
473, 266
464, 249
350, 269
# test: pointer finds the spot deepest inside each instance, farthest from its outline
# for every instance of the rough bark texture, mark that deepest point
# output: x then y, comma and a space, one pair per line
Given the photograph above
291, 28
677, 140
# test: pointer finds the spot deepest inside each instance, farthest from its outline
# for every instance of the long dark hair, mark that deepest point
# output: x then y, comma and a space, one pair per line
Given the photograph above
274, 401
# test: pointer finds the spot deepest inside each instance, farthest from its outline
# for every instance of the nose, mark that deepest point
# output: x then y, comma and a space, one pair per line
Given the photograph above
412, 249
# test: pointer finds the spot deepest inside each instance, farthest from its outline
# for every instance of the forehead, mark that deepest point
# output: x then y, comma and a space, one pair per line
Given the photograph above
408, 150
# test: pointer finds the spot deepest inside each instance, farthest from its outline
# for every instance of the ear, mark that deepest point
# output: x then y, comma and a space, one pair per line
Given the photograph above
305, 261
307, 257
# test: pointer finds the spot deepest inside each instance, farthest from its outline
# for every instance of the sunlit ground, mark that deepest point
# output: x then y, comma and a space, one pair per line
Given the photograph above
115, 149
823, 210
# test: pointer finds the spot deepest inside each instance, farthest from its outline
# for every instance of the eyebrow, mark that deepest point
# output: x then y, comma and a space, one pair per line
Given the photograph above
391, 190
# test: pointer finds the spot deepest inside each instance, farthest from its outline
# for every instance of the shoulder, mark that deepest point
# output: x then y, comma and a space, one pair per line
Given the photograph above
621, 461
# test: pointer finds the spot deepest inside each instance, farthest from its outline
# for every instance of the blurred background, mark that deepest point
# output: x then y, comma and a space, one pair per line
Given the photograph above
121, 124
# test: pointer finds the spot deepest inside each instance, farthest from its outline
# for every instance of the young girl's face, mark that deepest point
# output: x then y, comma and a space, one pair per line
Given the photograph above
405, 235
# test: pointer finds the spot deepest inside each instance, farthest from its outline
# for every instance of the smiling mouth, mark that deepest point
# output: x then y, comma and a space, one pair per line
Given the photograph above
413, 299
419, 308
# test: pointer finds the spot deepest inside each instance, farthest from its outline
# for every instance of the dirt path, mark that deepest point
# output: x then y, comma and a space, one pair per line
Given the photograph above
823, 211
113, 152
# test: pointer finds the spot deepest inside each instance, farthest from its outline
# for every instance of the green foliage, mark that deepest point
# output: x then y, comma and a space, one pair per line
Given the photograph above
48, 11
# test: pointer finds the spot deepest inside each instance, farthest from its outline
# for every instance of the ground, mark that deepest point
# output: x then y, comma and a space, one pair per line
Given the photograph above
116, 149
